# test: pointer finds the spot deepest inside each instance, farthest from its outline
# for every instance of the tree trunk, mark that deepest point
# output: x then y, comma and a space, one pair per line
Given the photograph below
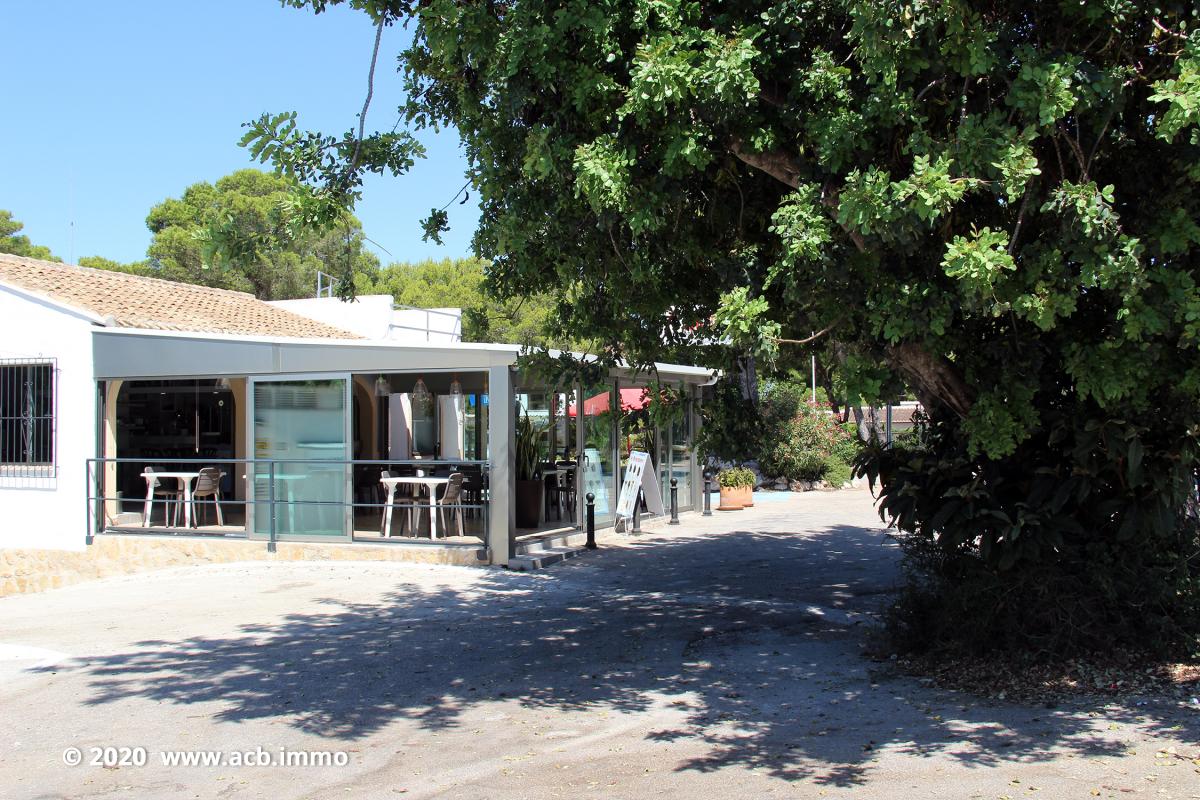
864, 426
748, 378
825, 381
935, 379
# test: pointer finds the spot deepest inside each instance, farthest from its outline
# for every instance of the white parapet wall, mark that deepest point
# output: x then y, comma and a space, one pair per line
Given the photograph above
376, 317
369, 316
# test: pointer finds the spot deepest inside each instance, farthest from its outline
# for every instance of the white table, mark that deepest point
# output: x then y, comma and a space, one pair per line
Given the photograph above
430, 485
286, 479
185, 480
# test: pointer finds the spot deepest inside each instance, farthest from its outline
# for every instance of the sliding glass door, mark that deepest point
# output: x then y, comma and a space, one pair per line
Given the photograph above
302, 426
599, 460
681, 450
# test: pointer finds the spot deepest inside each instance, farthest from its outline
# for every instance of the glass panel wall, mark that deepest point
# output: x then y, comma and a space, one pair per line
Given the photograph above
553, 416
563, 428
681, 451
537, 406
445, 419
173, 419
599, 462
424, 427
662, 460
475, 423
305, 421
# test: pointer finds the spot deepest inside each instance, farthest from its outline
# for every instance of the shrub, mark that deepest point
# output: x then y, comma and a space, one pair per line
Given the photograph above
848, 446
736, 478
837, 473
801, 447
1018, 554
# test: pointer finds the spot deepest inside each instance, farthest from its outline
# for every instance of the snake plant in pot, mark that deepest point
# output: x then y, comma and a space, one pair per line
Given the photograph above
529, 486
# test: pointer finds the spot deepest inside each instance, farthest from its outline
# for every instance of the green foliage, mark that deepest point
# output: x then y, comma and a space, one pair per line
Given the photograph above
799, 442
800, 448
237, 234
847, 448
326, 171
736, 478
994, 204
14, 242
784, 433
739, 318
525, 446
1181, 93
564, 369
1077, 543
837, 473
461, 283
731, 428
142, 268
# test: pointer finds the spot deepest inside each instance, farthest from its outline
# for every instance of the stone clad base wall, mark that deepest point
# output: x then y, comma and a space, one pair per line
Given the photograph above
23, 571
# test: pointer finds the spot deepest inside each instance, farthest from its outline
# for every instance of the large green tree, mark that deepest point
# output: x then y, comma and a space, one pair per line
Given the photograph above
237, 234
14, 242
993, 203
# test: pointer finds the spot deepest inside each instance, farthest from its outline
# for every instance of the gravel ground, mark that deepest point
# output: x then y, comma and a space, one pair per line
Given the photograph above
719, 658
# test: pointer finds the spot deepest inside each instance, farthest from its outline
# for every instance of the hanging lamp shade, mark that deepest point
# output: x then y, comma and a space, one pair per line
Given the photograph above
382, 387
421, 398
456, 386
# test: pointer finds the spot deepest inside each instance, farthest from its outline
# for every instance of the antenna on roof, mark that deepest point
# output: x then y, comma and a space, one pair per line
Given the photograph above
325, 284
71, 225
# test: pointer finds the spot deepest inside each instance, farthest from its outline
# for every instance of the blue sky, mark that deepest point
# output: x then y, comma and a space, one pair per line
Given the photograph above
113, 107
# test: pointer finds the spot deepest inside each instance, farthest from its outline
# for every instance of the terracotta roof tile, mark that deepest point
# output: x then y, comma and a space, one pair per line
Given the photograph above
137, 302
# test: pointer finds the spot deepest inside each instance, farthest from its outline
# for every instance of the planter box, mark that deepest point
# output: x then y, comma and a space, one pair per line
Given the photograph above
529, 499
746, 496
731, 499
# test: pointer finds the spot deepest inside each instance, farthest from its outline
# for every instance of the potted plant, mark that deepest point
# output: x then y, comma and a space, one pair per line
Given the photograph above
747, 487
736, 485
529, 488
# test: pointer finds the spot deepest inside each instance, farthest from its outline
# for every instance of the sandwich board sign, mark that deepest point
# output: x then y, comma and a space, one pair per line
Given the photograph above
638, 477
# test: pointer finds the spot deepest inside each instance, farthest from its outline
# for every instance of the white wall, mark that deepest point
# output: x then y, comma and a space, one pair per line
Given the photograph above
49, 512
372, 316
368, 315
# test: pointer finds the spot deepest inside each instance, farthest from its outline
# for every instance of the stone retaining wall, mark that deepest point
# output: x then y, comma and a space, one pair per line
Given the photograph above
23, 571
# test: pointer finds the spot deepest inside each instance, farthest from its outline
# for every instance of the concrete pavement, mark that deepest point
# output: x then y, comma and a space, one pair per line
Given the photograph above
719, 658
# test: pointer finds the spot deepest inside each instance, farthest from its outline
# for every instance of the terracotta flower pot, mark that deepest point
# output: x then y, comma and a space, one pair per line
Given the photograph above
746, 496
731, 499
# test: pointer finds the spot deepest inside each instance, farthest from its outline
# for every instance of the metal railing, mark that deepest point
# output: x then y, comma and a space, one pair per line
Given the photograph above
454, 334
271, 501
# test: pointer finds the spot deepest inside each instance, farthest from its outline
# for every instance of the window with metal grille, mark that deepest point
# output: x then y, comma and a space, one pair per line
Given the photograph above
26, 416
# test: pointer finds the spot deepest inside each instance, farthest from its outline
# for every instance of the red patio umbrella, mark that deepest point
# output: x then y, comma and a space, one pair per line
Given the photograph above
632, 399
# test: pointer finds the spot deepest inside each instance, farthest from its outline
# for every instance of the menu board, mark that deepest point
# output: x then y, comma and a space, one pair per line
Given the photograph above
638, 477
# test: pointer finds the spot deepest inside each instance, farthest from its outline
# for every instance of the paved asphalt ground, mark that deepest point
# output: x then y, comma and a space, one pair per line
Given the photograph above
720, 659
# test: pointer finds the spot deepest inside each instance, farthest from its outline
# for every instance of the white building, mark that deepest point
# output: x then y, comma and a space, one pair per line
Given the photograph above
293, 410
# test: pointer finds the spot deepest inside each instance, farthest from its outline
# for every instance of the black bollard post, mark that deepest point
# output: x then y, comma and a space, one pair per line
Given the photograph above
674, 502
637, 512
591, 521
707, 495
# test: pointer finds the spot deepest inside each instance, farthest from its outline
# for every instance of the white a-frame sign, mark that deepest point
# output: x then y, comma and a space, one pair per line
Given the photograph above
638, 477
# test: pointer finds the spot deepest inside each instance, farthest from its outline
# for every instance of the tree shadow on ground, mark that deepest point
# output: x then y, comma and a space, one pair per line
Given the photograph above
751, 637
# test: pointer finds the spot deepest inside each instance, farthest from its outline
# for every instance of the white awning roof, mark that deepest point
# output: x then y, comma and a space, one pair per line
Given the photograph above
126, 353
